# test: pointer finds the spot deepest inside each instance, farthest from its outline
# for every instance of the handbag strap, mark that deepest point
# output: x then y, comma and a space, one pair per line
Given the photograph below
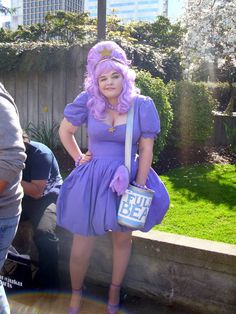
128, 138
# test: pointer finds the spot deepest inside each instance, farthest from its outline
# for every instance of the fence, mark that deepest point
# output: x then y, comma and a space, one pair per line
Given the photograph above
224, 132
43, 96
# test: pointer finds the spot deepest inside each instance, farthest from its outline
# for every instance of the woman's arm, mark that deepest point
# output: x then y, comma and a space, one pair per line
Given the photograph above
66, 133
67, 136
145, 159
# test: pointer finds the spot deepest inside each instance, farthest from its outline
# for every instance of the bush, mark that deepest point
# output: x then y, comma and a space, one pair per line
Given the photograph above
30, 56
192, 105
221, 92
156, 89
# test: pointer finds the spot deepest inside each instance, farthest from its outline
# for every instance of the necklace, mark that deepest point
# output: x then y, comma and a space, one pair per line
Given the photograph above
111, 129
109, 106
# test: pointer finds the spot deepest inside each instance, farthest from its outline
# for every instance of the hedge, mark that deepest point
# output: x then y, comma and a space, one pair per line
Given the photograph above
157, 90
192, 105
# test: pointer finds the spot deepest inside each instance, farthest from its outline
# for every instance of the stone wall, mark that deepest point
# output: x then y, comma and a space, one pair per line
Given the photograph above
176, 270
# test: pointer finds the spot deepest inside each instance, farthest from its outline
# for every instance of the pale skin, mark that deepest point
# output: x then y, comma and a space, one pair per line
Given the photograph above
110, 85
34, 188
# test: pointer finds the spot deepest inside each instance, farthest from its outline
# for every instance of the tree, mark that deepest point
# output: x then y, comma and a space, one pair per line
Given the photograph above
4, 9
160, 40
211, 32
67, 26
5, 35
211, 38
161, 33
34, 32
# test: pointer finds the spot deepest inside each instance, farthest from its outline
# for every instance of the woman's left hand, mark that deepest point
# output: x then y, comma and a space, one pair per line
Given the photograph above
120, 180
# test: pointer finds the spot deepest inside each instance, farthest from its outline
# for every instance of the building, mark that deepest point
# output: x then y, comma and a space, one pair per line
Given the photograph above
138, 10
17, 16
34, 11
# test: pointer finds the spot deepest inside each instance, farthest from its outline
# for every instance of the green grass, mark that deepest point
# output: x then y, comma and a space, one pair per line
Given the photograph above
203, 202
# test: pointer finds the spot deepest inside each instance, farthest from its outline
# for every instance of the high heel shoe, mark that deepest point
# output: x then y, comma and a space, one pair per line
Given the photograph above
113, 308
75, 310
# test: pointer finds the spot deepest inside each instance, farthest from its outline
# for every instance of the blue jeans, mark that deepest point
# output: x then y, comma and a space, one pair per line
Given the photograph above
8, 227
42, 214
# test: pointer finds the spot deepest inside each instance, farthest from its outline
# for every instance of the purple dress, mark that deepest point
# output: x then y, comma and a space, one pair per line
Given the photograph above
86, 204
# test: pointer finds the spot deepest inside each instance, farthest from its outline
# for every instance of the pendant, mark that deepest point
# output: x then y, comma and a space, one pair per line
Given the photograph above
111, 129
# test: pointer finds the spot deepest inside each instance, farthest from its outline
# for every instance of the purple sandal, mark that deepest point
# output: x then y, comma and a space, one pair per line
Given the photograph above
113, 308
75, 310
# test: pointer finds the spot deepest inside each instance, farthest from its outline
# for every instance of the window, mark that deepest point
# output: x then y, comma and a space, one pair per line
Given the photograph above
149, 2
126, 11
115, 5
145, 10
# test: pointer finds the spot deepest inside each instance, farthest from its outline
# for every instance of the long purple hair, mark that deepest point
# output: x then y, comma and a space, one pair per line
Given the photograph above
102, 58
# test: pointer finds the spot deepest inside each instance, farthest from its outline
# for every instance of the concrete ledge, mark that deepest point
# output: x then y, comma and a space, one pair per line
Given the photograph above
177, 270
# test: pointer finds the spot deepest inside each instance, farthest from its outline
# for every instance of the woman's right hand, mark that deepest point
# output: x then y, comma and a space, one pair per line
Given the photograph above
86, 158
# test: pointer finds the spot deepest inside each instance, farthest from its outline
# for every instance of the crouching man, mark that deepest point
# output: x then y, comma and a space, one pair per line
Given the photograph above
41, 183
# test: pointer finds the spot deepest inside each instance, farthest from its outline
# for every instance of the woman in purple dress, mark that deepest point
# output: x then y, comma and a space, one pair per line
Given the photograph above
89, 198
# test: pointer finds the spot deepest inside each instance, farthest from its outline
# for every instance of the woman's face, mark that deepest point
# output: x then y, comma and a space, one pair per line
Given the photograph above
110, 85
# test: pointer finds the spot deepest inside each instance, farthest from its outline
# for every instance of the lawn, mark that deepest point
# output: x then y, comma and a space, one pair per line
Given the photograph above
203, 202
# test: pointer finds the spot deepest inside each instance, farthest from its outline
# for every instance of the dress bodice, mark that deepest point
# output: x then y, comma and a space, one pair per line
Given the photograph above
105, 141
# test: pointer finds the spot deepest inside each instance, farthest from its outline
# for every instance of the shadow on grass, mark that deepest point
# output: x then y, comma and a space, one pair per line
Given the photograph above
214, 183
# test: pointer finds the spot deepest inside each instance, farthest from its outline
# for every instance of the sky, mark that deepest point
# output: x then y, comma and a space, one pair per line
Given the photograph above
174, 10
6, 3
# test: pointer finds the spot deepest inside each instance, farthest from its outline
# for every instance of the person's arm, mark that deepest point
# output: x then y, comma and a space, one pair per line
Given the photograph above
145, 159
12, 149
66, 133
38, 165
35, 188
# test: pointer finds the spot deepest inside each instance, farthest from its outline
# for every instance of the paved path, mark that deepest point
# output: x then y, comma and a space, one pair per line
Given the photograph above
94, 302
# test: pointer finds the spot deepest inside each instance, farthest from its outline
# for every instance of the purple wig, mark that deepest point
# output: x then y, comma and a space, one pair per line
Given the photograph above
102, 58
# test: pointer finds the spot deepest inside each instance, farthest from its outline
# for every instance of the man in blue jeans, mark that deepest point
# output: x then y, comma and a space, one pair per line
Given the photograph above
41, 183
12, 159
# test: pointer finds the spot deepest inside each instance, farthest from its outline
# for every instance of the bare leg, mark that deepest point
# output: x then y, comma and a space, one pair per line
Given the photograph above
81, 251
122, 243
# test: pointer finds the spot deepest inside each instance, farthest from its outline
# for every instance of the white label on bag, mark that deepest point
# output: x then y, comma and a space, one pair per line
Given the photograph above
134, 208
